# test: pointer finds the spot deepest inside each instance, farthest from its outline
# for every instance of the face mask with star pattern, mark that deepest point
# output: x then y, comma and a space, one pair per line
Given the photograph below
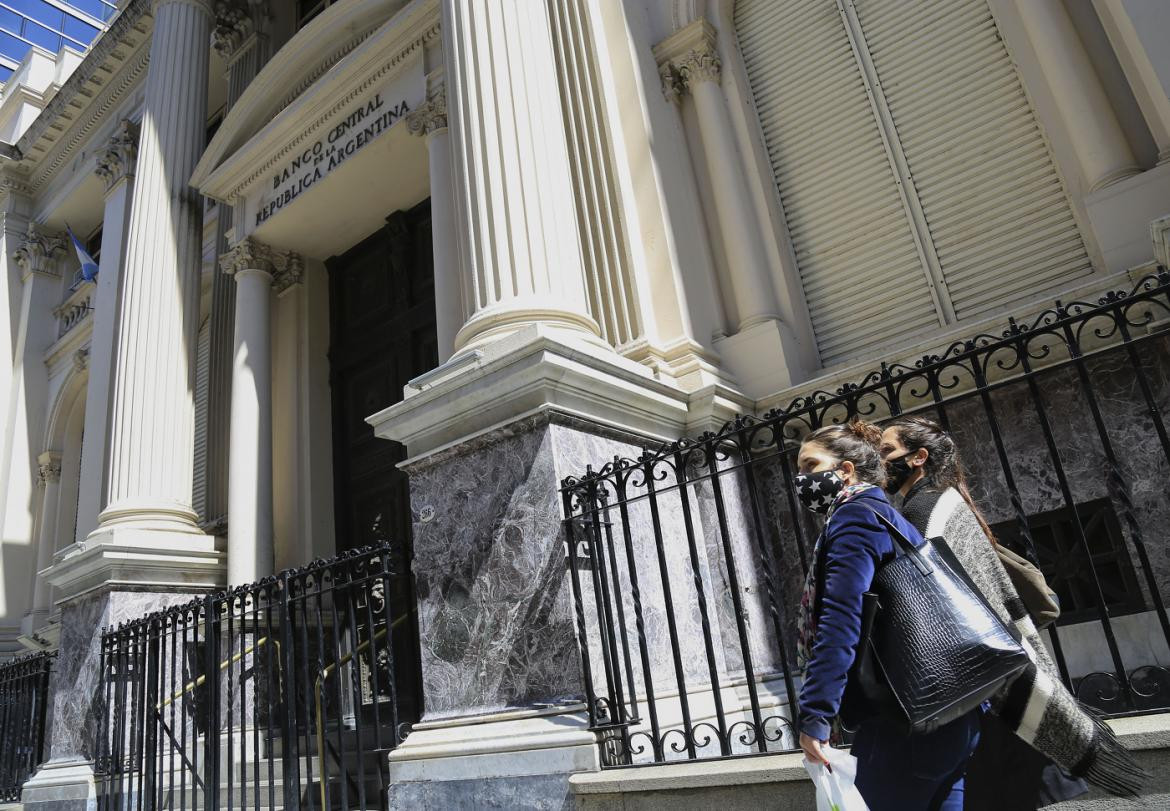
816, 491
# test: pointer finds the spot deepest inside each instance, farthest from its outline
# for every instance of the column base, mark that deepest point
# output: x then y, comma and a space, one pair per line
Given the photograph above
762, 357
532, 370
519, 759
165, 556
66, 785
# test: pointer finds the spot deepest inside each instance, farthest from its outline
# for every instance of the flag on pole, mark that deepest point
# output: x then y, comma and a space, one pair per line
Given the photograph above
89, 268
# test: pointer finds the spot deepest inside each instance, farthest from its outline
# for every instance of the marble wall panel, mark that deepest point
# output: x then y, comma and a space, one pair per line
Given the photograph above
496, 617
76, 677
1136, 493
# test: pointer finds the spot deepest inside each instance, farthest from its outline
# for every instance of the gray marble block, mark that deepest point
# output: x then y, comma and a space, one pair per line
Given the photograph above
495, 615
76, 679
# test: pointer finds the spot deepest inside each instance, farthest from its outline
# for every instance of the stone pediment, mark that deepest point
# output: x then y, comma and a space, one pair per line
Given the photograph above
313, 79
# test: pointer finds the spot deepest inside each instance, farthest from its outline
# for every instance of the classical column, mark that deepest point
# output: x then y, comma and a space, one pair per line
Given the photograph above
115, 166
295, 399
15, 472
239, 38
690, 62
430, 121
250, 554
27, 396
519, 246
1137, 29
50, 481
148, 476
1100, 145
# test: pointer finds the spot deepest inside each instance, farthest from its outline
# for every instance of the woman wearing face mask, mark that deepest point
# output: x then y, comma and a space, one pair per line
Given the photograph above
840, 475
1036, 725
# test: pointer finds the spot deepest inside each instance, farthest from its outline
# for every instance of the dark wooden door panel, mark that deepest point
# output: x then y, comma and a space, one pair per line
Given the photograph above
382, 334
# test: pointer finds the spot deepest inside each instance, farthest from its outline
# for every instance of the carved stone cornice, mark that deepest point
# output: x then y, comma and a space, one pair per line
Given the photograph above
12, 182
687, 57
430, 117
290, 271
49, 468
116, 160
36, 253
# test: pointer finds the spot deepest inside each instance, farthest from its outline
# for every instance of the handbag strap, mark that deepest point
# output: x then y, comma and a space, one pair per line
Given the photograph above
907, 546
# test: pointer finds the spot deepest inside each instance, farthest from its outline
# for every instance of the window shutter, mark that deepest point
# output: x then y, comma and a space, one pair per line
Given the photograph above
930, 157
997, 211
202, 383
863, 280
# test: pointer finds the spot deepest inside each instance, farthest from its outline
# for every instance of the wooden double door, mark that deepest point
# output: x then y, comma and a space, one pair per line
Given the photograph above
382, 334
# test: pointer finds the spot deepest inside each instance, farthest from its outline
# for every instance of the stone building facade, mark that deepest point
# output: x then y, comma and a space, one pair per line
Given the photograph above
409, 265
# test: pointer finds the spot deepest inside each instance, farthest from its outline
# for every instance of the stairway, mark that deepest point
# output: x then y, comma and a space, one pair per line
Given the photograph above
260, 782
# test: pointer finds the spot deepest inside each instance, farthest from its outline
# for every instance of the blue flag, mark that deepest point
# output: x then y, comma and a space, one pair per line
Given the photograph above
89, 268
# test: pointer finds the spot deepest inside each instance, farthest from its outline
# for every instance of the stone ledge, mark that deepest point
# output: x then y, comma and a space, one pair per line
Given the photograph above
1138, 733
747, 770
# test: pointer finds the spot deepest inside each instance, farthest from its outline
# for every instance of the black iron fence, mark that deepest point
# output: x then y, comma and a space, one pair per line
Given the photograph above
24, 699
279, 694
686, 563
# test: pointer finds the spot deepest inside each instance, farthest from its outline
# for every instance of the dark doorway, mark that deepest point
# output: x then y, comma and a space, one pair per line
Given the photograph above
382, 334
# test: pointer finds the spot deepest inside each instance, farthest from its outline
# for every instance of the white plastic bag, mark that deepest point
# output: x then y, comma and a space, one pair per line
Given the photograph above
835, 789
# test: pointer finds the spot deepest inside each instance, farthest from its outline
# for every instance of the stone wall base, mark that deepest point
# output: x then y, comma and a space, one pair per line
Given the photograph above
516, 760
780, 782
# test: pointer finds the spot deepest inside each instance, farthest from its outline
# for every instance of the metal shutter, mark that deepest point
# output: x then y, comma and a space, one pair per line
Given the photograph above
863, 279
997, 211
202, 384
924, 168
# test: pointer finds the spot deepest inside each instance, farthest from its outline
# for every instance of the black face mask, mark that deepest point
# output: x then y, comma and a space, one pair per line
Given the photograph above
816, 491
898, 472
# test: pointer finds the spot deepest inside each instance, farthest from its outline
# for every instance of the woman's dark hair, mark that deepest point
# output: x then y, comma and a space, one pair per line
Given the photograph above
943, 468
858, 442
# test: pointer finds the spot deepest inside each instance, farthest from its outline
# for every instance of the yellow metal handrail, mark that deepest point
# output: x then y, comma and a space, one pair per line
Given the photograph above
318, 686
224, 665
317, 689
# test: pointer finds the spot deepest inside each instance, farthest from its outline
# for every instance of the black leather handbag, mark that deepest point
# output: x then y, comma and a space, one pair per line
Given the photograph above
931, 648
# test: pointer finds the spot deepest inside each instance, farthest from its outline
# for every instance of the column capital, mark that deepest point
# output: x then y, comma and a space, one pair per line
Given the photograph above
49, 468
116, 160
247, 254
429, 118
285, 267
236, 22
38, 250
687, 57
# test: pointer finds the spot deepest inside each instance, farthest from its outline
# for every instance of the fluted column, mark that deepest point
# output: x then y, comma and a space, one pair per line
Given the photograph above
115, 166
519, 247
430, 121
50, 481
240, 39
690, 62
1100, 145
38, 260
152, 414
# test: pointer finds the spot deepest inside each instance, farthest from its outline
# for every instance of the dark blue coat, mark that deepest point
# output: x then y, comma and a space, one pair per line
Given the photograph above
852, 547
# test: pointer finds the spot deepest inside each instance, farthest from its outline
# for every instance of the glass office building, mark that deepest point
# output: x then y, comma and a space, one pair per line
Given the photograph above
48, 24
